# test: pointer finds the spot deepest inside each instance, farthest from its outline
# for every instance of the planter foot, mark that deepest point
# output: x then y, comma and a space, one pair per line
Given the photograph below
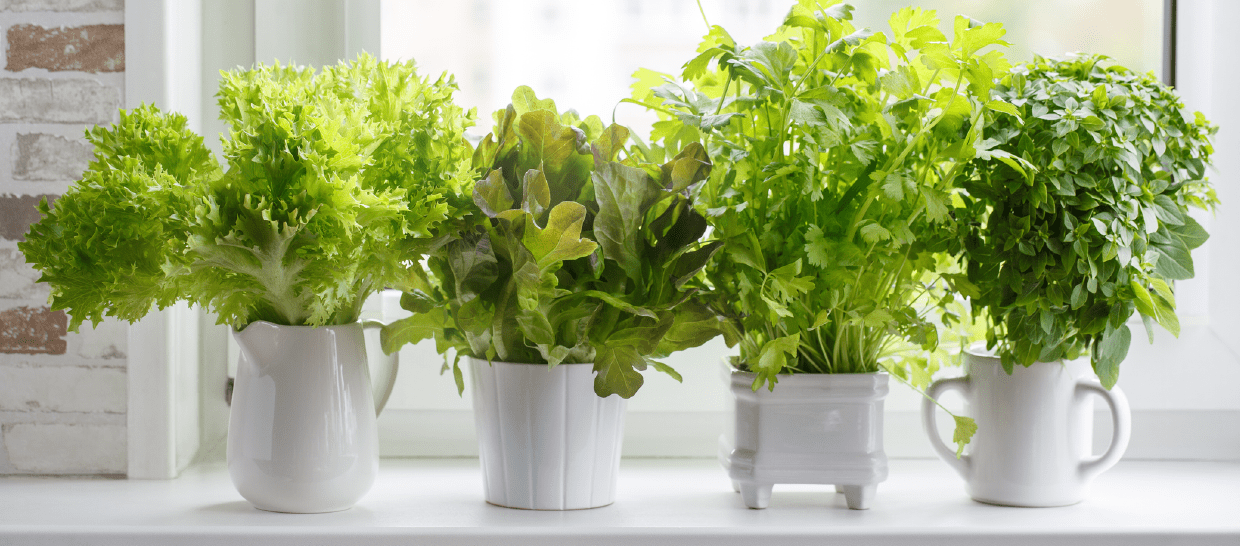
756, 495
839, 488
736, 486
858, 496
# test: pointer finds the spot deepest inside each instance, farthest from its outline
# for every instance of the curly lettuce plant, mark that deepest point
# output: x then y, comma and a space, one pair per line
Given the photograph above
1077, 211
583, 254
333, 180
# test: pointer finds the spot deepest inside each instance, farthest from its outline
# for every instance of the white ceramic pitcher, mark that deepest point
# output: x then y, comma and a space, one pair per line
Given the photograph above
1034, 430
302, 436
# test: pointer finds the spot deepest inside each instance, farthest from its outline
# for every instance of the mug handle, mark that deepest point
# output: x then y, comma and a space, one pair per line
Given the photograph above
1121, 420
381, 387
963, 465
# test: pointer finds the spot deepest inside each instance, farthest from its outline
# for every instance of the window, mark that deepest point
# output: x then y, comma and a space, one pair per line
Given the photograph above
561, 49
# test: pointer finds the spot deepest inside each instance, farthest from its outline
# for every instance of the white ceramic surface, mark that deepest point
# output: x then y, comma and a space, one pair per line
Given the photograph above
1034, 430
813, 428
301, 433
383, 366
545, 440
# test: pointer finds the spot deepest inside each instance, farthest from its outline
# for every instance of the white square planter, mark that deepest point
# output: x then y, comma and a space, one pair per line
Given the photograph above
813, 428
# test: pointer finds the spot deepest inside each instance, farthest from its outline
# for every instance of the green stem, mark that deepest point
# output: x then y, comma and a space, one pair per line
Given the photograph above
703, 12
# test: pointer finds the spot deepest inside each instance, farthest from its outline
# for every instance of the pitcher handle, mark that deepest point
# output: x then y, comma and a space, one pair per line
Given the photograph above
381, 387
963, 465
1121, 421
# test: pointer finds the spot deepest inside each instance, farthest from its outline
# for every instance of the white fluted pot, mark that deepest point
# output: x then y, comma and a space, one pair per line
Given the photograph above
546, 441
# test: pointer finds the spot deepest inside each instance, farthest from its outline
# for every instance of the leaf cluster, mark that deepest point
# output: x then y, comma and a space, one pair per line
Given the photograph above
334, 179
579, 256
1076, 213
838, 150
105, 247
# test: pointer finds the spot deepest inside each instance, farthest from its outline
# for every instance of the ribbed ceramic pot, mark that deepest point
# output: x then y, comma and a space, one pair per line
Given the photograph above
1034, 430
813, 429
546, 441
301, 433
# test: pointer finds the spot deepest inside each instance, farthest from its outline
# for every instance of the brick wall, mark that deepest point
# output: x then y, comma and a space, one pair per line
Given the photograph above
62, 396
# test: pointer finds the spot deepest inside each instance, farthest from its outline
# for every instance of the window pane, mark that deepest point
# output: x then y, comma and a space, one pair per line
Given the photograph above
582, 54
1130, 31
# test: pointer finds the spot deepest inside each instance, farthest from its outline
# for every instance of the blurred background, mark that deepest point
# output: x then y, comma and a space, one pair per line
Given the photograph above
582, 54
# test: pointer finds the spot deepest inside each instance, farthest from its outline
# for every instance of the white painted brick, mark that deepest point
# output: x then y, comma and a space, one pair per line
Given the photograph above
63, 389
62, 5
58, 101
18, 279
50, 157
107, 341
66, 449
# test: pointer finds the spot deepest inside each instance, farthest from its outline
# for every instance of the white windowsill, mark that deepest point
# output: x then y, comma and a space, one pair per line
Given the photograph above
660, 501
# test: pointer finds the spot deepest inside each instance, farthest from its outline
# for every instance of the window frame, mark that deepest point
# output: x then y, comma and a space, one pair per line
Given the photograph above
179, 347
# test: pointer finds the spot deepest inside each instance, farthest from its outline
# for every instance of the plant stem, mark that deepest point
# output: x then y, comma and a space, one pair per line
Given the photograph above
703, 12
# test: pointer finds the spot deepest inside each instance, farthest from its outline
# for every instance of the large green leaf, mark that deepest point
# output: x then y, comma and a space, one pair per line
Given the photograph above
412, 329
491, 194
561, 239
616, 373
624, 195
1109, 352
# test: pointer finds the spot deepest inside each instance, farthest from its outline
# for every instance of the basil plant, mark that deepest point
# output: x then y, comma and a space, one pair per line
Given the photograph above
1076, 212
581, 253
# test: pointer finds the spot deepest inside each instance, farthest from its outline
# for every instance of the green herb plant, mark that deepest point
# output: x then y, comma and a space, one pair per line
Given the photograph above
1076, 212
580, 256
836, 152
334, 179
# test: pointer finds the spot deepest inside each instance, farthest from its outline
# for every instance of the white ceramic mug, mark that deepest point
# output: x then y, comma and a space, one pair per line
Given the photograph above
1034, 430
302, 436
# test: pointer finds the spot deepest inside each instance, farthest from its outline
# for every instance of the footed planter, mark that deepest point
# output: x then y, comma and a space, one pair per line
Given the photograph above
1034, 430
545, 440
813, 428
301, 433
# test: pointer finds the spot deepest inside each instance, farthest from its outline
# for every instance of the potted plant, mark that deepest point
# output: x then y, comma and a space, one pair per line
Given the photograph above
333, 179
1076, 215
580, 273
836, 154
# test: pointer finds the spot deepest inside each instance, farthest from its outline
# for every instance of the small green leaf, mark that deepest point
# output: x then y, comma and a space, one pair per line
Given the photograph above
820, 319
615, 372
624, 195
772, 357
877, 318
816, 247
1145, 304
561, 239
411, 330
1164, 312
667, 370
873, 233
536, 195
491, 194
966, 427
999, 105
1109, 352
